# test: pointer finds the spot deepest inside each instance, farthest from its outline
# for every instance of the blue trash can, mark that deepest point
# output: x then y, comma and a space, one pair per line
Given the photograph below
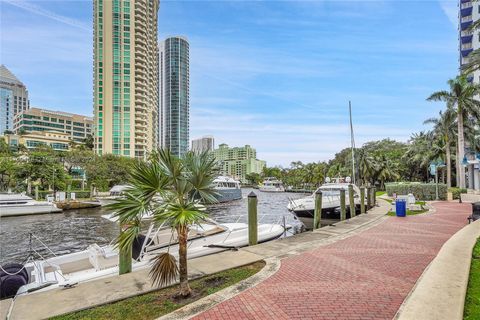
401, 208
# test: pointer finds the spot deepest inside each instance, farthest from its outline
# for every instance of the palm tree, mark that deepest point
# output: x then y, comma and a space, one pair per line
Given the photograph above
182, 185
419, 152
461, 98
385, 171
444, 130
366, 166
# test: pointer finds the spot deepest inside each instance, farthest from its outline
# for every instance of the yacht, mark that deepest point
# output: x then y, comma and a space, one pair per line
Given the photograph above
19, 204
304, 208
97, 261
271, 184
116, 192
227, 189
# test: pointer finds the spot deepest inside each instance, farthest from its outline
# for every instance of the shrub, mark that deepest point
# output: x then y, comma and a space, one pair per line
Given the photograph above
457, 191
421, 191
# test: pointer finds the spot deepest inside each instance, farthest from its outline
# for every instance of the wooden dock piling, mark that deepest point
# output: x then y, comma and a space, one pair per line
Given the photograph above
252, 219
362, 200
343, 207
317, 215
351, 201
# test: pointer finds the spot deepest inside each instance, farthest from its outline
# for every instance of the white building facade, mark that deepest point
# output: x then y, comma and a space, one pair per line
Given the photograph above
206, 143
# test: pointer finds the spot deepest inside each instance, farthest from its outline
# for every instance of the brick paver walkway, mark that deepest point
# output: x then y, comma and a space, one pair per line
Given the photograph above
366, 276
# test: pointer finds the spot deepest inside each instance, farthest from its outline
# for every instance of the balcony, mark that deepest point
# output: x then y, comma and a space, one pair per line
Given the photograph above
466, 39
466, 12
466, 33
465, 25
466, 4
466, 52
467, 18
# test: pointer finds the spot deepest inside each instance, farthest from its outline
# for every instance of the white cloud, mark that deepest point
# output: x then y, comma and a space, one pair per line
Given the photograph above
450, 8
28, 6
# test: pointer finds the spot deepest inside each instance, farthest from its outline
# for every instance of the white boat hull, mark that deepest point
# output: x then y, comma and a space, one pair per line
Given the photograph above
88, 265
28, 209
272, 189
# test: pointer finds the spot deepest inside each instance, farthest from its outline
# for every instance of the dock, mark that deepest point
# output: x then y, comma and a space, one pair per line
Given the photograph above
90, 294
76, 204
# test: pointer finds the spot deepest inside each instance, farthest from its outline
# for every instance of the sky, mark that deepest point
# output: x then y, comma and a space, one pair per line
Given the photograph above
276, 75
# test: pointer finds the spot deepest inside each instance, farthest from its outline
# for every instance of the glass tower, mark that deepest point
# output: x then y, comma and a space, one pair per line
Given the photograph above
175, 95
6, 110
13, 98
125, 76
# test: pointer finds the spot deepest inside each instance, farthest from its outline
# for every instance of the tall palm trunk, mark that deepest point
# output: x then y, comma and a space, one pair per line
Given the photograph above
449, 165
461, 148
182, 231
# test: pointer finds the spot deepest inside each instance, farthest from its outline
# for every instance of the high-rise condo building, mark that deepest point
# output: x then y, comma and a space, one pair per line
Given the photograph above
206, 143
174, 95
238, 162
125, 76
13, 98
469, 41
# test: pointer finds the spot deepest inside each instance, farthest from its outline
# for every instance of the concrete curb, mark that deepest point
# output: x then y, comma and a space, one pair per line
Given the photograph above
439, 293
199, 306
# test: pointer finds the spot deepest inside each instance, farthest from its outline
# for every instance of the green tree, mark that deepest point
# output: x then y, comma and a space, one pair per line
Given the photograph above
461, 97
88, 142
108, 170
253, 178
182, 184
444, 130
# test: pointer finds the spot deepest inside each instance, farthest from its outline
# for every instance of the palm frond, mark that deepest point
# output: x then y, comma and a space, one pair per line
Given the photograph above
164, 269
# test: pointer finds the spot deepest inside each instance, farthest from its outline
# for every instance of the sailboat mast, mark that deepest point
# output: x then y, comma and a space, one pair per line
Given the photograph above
352, 141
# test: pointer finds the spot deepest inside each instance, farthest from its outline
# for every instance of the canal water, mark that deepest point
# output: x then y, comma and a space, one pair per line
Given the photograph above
74, 230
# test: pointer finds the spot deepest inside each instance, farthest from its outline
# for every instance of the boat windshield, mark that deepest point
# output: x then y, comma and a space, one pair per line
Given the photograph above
331, 192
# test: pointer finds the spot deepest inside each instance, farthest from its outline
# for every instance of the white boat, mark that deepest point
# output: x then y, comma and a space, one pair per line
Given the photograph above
16, 204
227, 189
116, 192
99, 262
271, 184
304, 208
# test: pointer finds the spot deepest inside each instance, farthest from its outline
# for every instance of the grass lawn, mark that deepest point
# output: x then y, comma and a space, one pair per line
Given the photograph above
411, 212
380, 193
472, 300
155, 304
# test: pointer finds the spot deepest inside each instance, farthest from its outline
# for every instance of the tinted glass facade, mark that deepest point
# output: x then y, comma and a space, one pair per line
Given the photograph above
6, 110
175, 105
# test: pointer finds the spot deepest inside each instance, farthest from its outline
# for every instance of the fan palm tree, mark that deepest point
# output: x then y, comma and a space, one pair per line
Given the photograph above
182, 184
444, 130
461, 98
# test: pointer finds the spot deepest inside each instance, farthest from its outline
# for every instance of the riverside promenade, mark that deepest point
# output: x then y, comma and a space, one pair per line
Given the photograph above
365, 276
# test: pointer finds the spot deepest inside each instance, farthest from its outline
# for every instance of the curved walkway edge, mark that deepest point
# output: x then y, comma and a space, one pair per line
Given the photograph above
440, 292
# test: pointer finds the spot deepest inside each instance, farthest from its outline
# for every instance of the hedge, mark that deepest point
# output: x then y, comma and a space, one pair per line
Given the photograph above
421, 191
457, 191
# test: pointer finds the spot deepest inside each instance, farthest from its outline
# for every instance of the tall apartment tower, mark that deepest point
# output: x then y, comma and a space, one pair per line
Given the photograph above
206, 143
174, 118
469, 41
125, 76
13, 98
